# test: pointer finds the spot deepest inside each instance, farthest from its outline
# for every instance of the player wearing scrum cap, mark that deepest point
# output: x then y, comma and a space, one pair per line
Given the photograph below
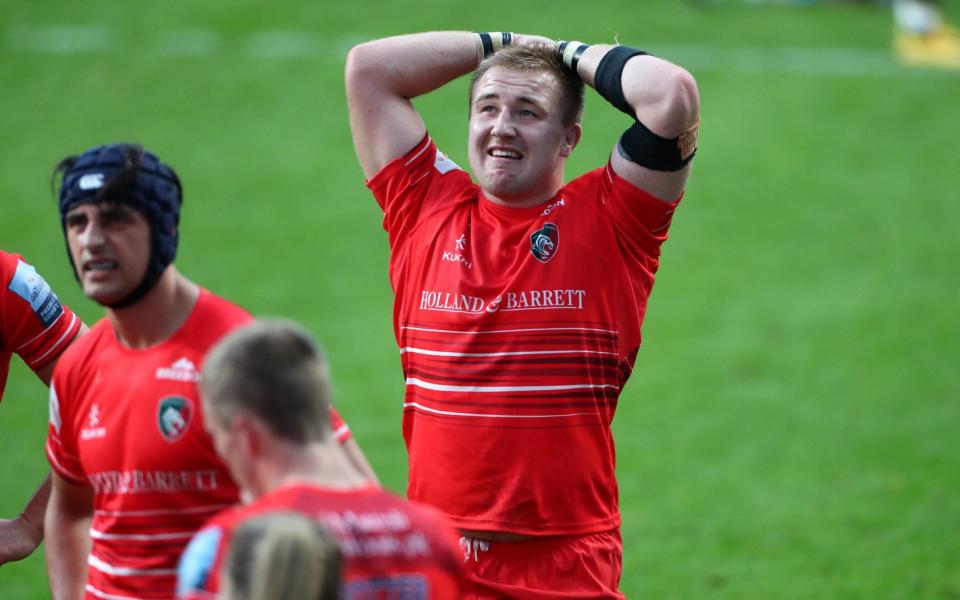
134, 472
519, 298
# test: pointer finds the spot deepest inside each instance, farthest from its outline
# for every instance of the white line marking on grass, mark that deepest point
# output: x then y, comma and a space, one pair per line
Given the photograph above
292, 44
187, 43
60, 39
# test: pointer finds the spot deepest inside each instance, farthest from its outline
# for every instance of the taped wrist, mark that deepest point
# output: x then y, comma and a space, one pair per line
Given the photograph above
641, 146
570, 53
490, 42
608, 78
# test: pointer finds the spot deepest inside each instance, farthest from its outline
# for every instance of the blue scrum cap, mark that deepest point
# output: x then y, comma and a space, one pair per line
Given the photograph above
128, 174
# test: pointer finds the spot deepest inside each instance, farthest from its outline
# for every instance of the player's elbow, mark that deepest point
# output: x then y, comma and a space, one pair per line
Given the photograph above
677, 104
363, 69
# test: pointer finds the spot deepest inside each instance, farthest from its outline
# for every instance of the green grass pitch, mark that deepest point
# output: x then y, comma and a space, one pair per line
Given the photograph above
792, 426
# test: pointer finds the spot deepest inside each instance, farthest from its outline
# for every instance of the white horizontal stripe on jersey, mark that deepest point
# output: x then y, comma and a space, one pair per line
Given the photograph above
413, 350
527, 330
78, 479
109, 569
213, 508
450, 413
426, 144
342, 430
439, 387
56, 346
141, 537
101, 594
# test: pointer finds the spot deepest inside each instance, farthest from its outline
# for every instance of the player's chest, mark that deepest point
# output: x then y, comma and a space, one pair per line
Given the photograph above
558, 259
128, 408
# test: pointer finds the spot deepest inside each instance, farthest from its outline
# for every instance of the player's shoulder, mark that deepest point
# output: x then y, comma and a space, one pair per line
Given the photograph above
86, 346
214, 316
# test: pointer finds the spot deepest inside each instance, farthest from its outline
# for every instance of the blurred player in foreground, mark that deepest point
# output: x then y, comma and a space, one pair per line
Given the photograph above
266, 391
35, 326
519, 298
282, 556
134, 472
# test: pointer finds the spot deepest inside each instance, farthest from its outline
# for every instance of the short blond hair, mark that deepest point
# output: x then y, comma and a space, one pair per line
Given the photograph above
274, 371
537, 59
282, 556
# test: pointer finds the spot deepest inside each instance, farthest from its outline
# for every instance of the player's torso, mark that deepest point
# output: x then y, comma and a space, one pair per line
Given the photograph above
139, 437
516, 330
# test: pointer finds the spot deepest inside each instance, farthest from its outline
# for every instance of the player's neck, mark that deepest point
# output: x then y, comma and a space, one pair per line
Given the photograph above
535, 198
323, 464
158, 315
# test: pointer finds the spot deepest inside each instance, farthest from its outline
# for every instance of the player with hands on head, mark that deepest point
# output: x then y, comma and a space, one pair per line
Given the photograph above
36, 327
519, 297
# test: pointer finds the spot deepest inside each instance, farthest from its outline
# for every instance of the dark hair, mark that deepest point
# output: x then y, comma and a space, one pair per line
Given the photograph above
274, 371
537, 59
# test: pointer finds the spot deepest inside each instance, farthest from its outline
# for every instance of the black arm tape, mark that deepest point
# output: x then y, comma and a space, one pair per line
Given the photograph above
487, 42
641, 146
607, 79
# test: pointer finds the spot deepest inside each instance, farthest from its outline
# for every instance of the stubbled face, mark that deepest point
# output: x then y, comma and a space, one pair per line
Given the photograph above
518, 143
110, 247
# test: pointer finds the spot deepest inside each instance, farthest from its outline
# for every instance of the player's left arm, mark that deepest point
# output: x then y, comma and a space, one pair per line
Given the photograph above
662, 99
19, 537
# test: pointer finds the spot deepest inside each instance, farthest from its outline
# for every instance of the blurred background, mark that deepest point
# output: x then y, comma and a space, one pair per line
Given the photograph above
792, 427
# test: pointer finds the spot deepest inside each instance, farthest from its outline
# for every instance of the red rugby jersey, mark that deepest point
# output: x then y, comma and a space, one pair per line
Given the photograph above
391, 548
518, 328
128, 423
33, 323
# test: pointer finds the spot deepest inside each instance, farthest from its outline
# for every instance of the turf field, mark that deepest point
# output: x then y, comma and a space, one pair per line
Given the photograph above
793, 423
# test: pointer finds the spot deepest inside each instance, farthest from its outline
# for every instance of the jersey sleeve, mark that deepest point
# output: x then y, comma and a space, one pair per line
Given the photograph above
409, 186
200, 564
34, 323
341, 431
640, 220
61, 437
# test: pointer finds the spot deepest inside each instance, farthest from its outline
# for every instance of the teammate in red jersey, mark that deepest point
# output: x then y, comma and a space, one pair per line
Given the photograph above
519, 298
265, 389
38, 328
135, 474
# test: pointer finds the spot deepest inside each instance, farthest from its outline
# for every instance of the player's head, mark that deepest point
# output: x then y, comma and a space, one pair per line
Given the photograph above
282, 556
121, 178
525, 109
272, 372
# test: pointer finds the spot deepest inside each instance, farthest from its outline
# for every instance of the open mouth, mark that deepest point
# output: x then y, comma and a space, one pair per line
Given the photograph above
505, 153
99, 265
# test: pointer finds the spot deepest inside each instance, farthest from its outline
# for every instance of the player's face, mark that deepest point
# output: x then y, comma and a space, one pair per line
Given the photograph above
225, 443
518, 142
110, 246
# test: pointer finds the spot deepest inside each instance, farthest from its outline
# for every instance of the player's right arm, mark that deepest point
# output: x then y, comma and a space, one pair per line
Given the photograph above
67, 525
383, 76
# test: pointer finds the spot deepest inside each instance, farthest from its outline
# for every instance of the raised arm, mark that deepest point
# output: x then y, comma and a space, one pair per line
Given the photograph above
381, 78
663, 99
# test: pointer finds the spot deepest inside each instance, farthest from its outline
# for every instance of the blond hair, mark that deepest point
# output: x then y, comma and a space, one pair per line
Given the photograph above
282, 556
274, 371
537, 59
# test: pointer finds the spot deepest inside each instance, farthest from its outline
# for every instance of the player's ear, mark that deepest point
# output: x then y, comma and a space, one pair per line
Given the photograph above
570, 139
